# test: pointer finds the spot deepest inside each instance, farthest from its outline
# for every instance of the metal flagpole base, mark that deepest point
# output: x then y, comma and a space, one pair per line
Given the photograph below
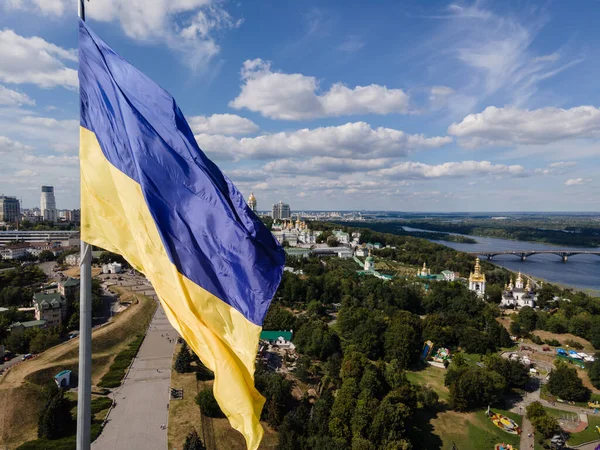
84, 389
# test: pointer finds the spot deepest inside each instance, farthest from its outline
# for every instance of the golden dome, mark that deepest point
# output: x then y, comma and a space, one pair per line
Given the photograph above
477, 275
252, 198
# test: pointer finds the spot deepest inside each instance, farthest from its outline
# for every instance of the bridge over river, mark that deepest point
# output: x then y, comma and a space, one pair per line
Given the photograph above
524, 254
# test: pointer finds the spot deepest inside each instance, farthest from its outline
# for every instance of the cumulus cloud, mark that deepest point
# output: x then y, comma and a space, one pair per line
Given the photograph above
511, 126
33, 60
296, 97
8, 146
189, 26
8, 97
43, 7
353, 140
577, 181
417, 170
320, 164
556, 168
227, 124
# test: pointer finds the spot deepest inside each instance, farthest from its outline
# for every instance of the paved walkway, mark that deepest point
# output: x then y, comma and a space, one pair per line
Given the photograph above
141, 401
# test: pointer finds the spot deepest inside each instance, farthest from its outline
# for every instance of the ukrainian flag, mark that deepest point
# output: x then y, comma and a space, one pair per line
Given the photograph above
149, 193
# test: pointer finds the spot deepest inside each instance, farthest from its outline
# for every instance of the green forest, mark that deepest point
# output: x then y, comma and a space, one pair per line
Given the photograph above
357, 337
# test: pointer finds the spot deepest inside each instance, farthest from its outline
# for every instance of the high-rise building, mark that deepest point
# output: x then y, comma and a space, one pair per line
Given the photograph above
10, 209
252, 202
281, 211
74, 216
48, 203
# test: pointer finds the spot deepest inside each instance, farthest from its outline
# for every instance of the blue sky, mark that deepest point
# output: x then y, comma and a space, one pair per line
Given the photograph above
415, 106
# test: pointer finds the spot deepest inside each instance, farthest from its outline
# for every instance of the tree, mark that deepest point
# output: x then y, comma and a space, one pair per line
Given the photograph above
527, 318
493, 293
46, 255
55, 419
208, 404
595, 373
43, 340
183, 363
566, 384
332, 241
193, 442
472, 387
535, 410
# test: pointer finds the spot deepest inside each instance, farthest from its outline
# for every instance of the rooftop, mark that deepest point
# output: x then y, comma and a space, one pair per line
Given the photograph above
71, 282
30, 324
274, 335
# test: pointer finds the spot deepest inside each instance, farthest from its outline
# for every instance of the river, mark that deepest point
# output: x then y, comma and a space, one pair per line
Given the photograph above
580, 271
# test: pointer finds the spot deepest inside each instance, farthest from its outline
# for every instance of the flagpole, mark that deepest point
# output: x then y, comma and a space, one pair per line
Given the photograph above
84, 388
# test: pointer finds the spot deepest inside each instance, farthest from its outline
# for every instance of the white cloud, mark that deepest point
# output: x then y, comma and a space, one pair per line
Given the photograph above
557, 168
351, 44
418, 170
577, 181
189, 26
561, 164
8, 146
227, 124
511, 126
353, 140
33, 60
295, 96
51, 160
44, 7
321, 164
8, 97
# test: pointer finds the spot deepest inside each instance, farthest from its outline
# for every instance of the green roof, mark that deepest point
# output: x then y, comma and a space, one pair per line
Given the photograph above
273, 335
30, 324
40, 297
71, 282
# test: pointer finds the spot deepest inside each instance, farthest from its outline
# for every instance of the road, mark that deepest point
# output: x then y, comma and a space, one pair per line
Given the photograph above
141, 401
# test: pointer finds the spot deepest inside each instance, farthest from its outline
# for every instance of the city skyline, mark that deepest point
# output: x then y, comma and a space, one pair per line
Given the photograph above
465, 106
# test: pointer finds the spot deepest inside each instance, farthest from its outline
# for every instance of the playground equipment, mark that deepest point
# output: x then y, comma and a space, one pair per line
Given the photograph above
441, 355
504, 446
594, 405
427, 349
504, 423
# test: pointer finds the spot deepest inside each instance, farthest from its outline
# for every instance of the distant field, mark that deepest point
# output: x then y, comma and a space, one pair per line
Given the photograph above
432, 376
472, 430
23, 384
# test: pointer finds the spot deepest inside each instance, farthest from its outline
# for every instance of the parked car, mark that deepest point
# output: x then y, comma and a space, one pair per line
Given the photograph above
546, 349
27, 356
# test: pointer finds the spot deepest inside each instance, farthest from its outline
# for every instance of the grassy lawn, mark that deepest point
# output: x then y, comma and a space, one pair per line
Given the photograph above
22, 385
472, 430
184, 415
432, 376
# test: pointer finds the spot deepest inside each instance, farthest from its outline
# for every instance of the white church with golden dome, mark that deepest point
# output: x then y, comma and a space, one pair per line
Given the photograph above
252, 202
518, 294
477, 280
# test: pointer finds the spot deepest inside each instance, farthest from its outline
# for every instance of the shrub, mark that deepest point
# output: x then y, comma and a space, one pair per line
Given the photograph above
208, 404
574, 344
183, 363
193, 442
116, 372
537, 340
100, 403
553, 343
